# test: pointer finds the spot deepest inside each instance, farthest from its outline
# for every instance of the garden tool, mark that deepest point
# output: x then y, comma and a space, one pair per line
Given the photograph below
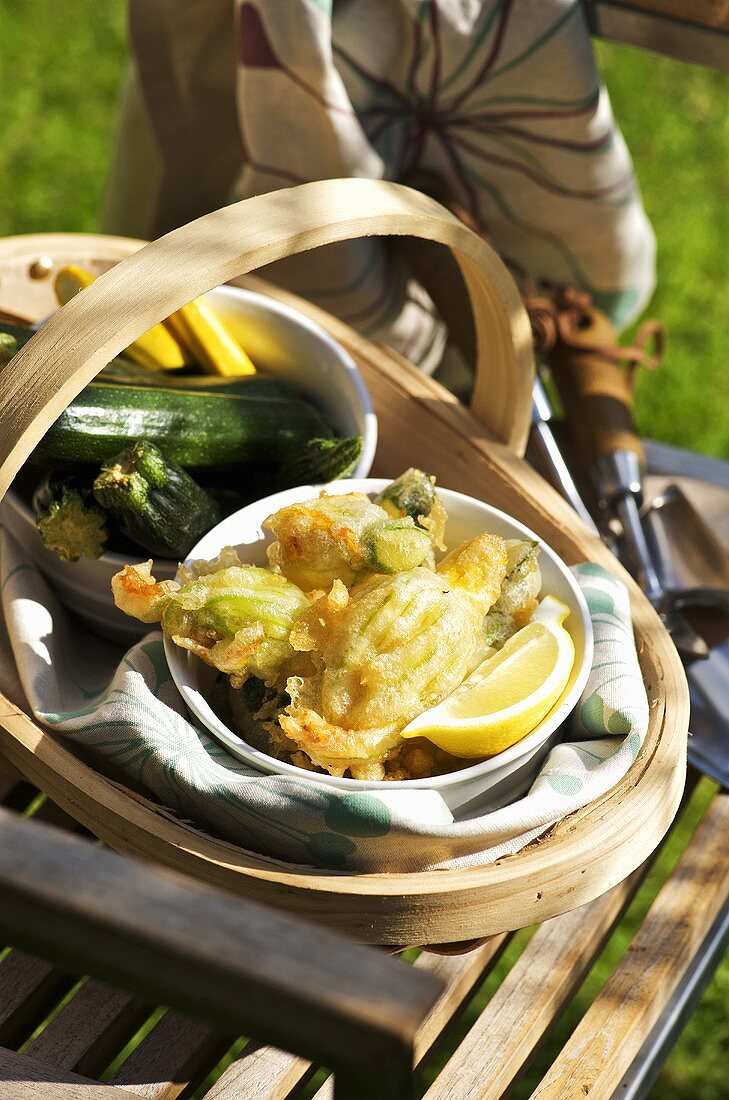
675, 557
693, 566
596, 392
544, 453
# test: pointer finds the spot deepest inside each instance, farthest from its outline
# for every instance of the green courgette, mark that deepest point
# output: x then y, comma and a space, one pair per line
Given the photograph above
154, 501
412, 494
70, 522
193, 429
319, 461
123, 371
395, 546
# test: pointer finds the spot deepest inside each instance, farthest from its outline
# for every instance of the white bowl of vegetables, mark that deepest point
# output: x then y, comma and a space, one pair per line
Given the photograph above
352, 635
236, 438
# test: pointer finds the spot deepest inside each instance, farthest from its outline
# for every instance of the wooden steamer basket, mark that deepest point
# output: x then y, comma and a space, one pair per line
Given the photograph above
420, 424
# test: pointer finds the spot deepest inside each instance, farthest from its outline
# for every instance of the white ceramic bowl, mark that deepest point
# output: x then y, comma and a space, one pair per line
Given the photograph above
282, 342
490, 783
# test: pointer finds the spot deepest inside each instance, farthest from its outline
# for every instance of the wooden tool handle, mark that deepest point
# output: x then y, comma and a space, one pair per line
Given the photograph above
73, 346
595, 391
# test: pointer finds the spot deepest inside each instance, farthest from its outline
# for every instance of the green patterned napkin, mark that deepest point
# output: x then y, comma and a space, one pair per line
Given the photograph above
127, 709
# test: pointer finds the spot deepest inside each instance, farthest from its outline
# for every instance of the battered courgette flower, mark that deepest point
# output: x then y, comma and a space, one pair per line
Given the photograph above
237, 619
382, 654
343, 538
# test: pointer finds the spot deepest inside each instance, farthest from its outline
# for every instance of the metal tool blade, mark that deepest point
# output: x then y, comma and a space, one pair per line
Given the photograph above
687, 641
708, 747
549, 458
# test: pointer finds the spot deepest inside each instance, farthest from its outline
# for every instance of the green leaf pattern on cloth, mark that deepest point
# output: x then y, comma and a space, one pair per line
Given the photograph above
499, 99
125, 708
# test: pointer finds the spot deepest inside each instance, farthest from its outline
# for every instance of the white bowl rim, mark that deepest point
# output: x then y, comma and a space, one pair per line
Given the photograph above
369, 435
268, 765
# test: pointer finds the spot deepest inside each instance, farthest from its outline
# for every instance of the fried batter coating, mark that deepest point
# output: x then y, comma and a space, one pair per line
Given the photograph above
320, 541
343, 538
523, 581
478, 567
138, 594
237, 619
382, 654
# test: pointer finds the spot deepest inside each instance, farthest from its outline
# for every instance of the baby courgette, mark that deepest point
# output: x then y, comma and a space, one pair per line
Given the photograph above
194, 429
154, 501
70, 522
319, 461
395, 546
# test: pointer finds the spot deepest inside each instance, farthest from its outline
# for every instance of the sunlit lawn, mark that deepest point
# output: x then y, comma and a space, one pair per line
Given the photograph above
62, 64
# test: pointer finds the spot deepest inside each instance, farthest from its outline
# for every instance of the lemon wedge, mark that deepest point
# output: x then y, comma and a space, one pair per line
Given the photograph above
508, 694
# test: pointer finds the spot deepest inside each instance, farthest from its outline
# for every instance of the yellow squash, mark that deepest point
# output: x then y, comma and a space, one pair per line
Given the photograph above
193, 334
157, 349
200, 330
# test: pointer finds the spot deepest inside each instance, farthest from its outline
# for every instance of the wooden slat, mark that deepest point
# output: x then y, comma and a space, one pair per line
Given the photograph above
669, 31
177, 1051
24, 1078
534, 992
8, 771
261, 1072
19, 796
52, 814
462, 974
251, 970
266, 1073
530, 998
712, 14
29, 988
7, 783
90, 1029
612, 1031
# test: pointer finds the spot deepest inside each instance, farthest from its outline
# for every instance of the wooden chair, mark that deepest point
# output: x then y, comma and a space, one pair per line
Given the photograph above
690, 30
226, 966
236, 965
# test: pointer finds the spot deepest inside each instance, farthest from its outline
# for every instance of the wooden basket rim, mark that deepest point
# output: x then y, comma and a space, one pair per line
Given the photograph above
405, 907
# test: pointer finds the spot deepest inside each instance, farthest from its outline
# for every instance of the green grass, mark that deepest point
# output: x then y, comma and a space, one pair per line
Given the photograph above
62, 62
62, 65
676, 123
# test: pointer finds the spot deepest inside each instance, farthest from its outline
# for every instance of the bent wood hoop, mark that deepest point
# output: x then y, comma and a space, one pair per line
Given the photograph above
151, 284
420, 424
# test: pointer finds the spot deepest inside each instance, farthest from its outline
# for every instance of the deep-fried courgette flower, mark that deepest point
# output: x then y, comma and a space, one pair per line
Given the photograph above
384, 653
479, 567
413, 494
237, 619
343, 538
523, 581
